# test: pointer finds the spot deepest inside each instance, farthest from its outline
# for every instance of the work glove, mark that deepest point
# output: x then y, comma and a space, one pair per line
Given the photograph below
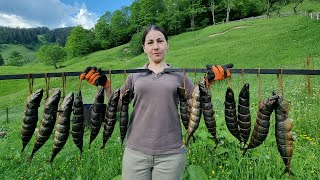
94, 76
217, 72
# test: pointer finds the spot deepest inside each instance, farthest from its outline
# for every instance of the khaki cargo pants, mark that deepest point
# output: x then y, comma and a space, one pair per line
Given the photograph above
140, 166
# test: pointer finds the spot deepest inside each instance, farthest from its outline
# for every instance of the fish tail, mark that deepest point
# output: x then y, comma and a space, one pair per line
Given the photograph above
287, 170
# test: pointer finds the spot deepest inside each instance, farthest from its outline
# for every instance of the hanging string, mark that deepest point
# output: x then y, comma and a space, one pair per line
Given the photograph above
184, 78
230, 82
30, 79
64, 79
125, 78
47, 84
279, 77
242, 76
195, 76
259, 87
80, 85
110, 91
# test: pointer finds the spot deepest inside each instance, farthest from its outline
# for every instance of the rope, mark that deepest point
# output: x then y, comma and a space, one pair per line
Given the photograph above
279, 77
259, 87
195, 76
30, 79
230, 81
64, 81
110, 91
242, 76
184, 78
124, 79
47, 84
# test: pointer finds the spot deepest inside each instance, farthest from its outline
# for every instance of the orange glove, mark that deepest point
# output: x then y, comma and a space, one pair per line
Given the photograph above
217, 72
95, 77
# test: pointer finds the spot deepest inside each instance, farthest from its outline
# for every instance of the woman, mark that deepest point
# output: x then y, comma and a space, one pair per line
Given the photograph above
154, 148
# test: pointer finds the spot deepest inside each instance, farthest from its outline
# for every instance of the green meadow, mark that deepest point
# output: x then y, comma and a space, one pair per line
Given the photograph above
282, 42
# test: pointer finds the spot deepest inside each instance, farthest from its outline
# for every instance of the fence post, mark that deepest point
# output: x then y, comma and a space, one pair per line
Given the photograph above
7, 114
317, 17
308, 77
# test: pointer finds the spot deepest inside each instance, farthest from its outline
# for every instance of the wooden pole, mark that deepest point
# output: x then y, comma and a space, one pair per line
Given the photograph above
7, 114
308, 77
317, 17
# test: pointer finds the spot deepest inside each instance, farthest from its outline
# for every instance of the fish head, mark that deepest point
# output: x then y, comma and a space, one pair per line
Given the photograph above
229, 95
55, 97
244, 93
36, 96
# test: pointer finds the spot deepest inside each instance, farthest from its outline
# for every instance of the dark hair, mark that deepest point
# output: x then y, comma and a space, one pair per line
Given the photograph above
153, 27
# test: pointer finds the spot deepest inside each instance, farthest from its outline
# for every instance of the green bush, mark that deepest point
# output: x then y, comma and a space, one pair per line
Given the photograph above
135, 45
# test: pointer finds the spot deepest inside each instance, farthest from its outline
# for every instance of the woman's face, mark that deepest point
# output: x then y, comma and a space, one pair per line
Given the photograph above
155, 46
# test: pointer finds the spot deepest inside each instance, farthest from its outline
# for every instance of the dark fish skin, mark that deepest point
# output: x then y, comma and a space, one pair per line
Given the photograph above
262, 124
124, 113
244, 116
78, 122
48, 121
111, 115
195, 114
230, 114
97, 114
63, 125
30, 118
184, 109
283, 133
208, 111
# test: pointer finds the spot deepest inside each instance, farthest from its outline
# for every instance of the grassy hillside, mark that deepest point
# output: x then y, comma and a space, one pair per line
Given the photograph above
27, 54
266, 43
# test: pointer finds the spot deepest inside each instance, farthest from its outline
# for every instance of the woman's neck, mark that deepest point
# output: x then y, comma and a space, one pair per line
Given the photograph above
157, 67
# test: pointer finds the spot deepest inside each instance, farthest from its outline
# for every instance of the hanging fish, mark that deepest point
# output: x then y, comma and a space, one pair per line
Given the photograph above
97, 114
284, 136
262, 124
63, 125
124, 114
78, 122
244, 117
208, 111
30, 118
111, 115
230, 114
48, 121
195, 113
184, 109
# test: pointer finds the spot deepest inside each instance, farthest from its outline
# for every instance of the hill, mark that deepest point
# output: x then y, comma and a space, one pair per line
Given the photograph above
27, 54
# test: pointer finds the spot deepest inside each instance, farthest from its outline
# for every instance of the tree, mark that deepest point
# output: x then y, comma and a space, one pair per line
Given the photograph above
270, 4
296, 4
102, 30
212, 7
79, 42
1, 60
15, 59
51, 54
194, 8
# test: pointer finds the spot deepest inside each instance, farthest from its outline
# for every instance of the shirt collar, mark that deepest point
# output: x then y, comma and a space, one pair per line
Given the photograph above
146, 67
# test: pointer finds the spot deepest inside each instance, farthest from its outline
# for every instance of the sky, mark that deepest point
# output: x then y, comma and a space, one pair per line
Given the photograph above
56, 13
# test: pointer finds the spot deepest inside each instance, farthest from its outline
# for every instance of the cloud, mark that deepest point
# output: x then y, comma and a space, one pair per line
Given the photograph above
16, 21
49, 13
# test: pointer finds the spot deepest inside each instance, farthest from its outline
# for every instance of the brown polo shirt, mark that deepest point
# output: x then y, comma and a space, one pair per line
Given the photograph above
154, 126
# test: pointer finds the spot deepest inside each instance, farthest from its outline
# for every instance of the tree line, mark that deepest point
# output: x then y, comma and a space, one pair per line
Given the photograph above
29, 36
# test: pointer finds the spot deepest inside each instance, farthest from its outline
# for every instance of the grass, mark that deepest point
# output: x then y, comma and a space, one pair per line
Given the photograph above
26, 53
267, 43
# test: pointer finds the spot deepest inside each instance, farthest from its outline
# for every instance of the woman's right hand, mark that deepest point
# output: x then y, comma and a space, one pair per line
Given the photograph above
94, 76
